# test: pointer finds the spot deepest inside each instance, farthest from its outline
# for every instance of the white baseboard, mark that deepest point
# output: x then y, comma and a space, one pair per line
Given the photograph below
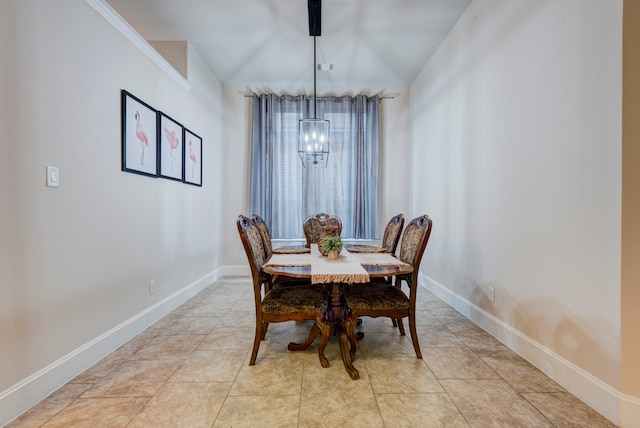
28, 392
597, 394
629, 411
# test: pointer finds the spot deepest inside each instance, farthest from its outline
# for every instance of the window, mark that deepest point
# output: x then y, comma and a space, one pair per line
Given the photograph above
284, 193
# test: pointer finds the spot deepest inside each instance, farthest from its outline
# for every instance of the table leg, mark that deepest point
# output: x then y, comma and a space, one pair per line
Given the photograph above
315, 330
339, 315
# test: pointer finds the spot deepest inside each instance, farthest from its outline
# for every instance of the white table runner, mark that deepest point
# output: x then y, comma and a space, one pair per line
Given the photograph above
346, 268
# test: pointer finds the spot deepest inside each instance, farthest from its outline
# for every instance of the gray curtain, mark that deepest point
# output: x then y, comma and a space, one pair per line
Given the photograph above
284, 193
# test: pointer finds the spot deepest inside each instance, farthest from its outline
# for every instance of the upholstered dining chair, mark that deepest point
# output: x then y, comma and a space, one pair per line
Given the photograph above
380, 299
313, 226
273, 281
392, 233
275, 304
264, 234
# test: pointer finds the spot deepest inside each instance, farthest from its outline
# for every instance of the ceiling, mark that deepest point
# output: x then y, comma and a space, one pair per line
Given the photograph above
267, 42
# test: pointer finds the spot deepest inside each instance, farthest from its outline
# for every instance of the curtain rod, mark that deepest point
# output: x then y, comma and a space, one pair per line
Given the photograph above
381, 98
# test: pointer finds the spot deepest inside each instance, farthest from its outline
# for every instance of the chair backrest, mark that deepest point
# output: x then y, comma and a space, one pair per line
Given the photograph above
314, 225
254, 248
264, 232
392, 233
414, 241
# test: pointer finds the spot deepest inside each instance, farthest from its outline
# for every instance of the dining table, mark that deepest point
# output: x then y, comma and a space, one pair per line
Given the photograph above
348, 270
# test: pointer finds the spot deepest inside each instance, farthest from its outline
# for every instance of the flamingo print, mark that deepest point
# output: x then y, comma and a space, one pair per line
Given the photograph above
192, 156
142, 136
172, 138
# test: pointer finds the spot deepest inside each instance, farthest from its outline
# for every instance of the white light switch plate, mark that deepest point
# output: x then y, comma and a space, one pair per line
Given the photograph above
53, 176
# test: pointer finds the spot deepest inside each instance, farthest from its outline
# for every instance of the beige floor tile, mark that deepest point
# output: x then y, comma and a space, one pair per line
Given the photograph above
437, 336
419, 410
397, 375
520, 374
493, 403
425, 318
192, 325
443, 312
244, 304
271, 376
166, 321
462, 326
188, 405
481, 342
228, 338
209, 309
99, 370
251, 412
50, 406
133, 345
456, 363
238, 319
176, 347
102, 412
330, 398
376, 325
139, 378
191, 369
210, 366
565, 410
375, 345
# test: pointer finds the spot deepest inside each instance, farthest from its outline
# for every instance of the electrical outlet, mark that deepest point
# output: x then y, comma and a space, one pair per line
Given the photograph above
152, 286
492, 294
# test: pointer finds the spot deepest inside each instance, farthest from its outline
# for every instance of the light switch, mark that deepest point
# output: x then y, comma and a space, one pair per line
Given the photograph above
53, 176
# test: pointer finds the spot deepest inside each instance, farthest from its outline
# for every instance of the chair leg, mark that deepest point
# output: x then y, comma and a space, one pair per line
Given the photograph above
256, 341
400, 326
265, 327
414, 334
394, 322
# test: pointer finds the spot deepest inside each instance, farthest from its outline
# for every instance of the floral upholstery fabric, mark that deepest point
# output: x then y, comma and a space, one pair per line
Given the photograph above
411, 242
314, 226
391, 233
295, 300
376, 296
257, 248
266, 236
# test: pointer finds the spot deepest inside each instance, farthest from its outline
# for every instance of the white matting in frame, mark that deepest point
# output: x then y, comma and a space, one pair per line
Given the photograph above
192, 158
139, 136
171, 148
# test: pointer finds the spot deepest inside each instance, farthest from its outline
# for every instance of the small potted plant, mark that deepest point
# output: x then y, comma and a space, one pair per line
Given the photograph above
332, 246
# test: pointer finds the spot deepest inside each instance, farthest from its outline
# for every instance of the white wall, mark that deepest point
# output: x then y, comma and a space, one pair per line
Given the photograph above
77, 260
395, 148
517, 145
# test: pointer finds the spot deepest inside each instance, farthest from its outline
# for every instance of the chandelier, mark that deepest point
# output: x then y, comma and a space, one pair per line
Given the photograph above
313, 134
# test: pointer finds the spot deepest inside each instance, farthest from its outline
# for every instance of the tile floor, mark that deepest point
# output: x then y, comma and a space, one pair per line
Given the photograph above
190, 369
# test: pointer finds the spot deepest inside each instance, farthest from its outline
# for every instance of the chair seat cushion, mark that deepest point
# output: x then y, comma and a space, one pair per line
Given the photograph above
295, 300
376, 296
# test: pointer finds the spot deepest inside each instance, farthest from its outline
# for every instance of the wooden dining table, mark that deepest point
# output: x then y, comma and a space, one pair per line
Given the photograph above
337, 319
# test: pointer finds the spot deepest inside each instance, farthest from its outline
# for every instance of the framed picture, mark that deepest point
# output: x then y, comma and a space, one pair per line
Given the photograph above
192, 158
171, 147
139, 136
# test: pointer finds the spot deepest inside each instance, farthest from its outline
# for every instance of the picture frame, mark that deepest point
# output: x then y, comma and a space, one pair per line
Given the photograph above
139, 136
192, 169
170, 148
